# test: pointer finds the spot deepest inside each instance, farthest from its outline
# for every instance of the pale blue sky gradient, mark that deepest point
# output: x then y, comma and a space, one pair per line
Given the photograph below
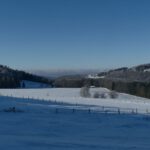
74, 34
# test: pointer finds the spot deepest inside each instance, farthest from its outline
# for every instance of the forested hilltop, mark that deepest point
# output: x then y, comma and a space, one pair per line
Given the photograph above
10, 78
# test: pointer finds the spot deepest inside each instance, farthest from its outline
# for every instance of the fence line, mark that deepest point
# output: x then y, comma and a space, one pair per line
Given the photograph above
75, 107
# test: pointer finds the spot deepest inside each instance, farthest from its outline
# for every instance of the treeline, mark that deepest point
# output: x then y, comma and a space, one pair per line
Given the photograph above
135, 88
68, 83
9, 82
21, 75
74, 82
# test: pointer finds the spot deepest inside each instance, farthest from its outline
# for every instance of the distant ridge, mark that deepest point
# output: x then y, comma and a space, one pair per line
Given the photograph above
140, 73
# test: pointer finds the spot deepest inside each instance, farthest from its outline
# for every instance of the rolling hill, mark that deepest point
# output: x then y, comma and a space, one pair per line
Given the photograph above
10, 78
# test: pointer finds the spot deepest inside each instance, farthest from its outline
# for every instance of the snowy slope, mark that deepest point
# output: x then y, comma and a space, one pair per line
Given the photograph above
36, 125
30, 84
72, 95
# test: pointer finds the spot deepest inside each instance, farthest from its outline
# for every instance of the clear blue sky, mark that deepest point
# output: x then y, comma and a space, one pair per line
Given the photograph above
74, 34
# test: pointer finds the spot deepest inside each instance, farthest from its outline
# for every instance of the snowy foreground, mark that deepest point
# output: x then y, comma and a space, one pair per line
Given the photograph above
39, 125
45, 123
125, 102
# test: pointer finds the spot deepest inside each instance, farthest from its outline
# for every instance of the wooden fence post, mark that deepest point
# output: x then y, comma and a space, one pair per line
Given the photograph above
73, 110
102, 108
56, 110
136, 111
119, 111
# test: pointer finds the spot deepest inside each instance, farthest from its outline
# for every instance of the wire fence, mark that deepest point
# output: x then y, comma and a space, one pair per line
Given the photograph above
58, 106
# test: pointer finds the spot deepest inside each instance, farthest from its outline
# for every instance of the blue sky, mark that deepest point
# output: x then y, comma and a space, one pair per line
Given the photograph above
74, 34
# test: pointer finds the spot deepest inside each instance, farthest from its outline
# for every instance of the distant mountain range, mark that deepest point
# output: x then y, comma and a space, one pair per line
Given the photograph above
56, 73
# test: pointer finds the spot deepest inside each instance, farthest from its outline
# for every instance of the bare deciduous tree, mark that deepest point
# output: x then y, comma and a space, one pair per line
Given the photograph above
85, 91
99, 95
102, 95
113, 94
96, 95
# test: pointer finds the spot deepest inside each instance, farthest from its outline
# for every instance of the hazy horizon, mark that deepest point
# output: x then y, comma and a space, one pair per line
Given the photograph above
63, 72
58, 72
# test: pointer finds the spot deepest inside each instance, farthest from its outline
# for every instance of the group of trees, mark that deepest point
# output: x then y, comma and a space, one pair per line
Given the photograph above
85, 92
9, 82
135, 88
69, 82
10, 78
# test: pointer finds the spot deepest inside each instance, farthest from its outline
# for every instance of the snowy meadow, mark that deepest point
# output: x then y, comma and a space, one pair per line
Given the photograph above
124, 102
61, 119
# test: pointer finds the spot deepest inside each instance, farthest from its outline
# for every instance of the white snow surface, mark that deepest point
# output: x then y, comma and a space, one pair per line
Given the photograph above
147, 70
124, 102
95, 77
47, 125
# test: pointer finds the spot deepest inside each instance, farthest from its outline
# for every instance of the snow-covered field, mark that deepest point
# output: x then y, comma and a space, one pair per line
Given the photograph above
39, 125
34, 124
124, 102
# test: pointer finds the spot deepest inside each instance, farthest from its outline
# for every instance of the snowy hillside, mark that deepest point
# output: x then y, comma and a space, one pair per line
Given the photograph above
30, 84
72, 96
27, 124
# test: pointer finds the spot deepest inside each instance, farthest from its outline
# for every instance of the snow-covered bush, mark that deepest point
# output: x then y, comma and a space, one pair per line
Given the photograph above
113, 94
85, 91
99, 95
96, 95
102, 95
